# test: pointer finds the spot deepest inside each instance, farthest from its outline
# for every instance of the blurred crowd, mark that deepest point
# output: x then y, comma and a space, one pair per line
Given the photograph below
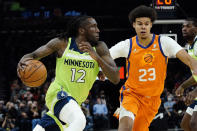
26, 106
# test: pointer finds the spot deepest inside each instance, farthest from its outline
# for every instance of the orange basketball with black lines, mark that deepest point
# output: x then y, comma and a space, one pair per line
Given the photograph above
148, 58
34, 74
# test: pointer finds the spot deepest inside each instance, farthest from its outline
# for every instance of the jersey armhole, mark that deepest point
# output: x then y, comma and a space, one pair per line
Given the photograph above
130, 48
159, 40
68, 46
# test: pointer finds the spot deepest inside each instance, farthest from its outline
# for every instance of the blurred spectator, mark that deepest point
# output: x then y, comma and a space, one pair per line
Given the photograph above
100, 113
168, 105
9, 124
10, 119
28, 95
2, 112
24, 122
23, 106
102, 96
33, 112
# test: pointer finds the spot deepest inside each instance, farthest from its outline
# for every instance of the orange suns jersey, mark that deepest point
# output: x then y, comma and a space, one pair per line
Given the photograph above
146, 67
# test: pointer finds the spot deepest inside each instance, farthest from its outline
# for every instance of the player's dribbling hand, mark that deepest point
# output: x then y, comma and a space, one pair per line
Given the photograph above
21, 65
179, 91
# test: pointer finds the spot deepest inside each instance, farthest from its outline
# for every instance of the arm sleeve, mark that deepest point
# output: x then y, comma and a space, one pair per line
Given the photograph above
121, 49
169, 46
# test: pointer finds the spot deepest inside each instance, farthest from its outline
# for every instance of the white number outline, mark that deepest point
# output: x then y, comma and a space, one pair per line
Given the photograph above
81, 78
150, 72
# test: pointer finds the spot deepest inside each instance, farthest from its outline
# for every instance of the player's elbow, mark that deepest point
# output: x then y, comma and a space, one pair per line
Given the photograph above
116, 81
116, 78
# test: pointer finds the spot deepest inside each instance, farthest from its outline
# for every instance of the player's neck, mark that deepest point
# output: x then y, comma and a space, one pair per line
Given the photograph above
79, 39
190, 41
145, 41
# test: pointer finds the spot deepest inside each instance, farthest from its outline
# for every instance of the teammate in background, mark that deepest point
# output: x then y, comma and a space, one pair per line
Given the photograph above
147, 57
80, 54
189, 121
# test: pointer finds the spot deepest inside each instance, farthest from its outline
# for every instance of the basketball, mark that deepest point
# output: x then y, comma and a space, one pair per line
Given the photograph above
34, 74
148, 58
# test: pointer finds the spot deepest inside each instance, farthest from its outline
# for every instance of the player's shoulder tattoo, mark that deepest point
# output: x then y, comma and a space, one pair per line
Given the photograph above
56, 43
102, 48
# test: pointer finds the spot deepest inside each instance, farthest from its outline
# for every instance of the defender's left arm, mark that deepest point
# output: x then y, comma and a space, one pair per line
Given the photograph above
188, 60
172, 49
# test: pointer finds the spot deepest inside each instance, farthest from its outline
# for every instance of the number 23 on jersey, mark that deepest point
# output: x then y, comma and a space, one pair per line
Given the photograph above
147, 74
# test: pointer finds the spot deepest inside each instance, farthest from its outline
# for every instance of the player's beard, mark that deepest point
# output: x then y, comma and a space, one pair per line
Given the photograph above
93, 42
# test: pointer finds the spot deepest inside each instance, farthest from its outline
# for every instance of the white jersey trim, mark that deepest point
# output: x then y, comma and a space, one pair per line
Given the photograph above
79, 57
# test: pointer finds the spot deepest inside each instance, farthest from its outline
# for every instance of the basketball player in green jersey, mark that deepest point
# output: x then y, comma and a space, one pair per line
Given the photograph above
80, 54
189, 121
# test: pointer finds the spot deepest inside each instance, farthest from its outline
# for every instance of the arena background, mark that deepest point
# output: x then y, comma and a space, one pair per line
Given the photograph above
26, 25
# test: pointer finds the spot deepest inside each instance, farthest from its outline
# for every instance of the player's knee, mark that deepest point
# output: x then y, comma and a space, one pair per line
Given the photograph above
125, 124
80, 122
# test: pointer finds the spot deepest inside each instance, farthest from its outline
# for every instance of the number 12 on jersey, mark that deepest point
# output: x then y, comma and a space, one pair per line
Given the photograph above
150, 73
81, 78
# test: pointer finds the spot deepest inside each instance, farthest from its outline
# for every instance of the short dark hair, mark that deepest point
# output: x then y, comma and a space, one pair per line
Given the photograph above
142, 11
193, 20
75, 23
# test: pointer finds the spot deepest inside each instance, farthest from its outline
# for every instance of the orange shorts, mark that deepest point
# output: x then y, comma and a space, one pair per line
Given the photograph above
143, 107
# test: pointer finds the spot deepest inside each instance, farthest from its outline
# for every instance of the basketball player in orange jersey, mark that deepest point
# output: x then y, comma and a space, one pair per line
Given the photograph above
147, 57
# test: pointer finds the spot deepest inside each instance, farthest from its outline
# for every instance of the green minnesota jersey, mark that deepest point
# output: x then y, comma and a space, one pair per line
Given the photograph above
76, 72
192, 51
